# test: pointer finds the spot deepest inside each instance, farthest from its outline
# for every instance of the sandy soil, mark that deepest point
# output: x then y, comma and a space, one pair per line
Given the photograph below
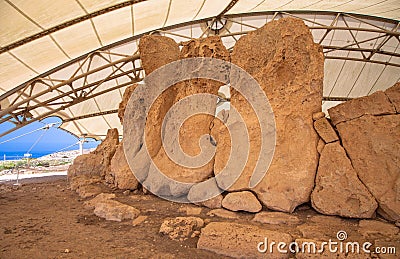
44, 219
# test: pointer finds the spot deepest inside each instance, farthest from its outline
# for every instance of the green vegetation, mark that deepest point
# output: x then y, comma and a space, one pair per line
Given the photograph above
7, 165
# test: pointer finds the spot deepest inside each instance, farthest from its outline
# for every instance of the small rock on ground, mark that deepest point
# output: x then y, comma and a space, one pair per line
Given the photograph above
190, 210
276, 218
139, 220
181, 228
115, 211
91, 204
241, 201
240, 240
222, 213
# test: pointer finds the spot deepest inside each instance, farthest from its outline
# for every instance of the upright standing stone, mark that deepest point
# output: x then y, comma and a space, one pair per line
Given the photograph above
193, 128
155, 52
206, 194
373, 145
369, 128
375, 104
125, 98
96, 163
338, 191
120, 171
325, 130
393, 93
288, 65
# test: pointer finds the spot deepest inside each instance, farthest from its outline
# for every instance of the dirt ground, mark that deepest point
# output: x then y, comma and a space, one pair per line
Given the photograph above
44, 219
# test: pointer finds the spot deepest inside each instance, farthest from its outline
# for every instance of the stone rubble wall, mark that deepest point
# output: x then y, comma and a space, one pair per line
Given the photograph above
369, 130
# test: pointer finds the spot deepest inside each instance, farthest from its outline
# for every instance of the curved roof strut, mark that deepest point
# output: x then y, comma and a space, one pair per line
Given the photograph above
27, 101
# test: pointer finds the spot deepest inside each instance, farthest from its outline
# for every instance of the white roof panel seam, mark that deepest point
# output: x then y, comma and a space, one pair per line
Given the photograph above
58, 45
24, 14
257, 5
168, 11
133, 21
22, 62
198, 12
91, 22
307, 6
170, 17
387, 11
369, 6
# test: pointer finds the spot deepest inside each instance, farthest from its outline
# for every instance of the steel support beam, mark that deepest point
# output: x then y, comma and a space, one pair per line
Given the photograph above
67, 24
25, 98
91, 115
63, 107
21, 110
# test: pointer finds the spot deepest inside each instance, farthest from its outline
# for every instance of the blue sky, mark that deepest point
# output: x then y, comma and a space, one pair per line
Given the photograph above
53, 140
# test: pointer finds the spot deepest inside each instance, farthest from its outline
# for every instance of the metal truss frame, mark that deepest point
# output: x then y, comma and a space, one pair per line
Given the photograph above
330, 50
76, 89
23, 99
68, 24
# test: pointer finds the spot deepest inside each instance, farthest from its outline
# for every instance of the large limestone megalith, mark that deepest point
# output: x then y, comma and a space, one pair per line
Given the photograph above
369, 128
288, 65
193, 128
155, 52
97, 163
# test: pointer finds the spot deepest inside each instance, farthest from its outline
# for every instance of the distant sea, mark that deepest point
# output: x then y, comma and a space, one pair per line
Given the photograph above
15, 155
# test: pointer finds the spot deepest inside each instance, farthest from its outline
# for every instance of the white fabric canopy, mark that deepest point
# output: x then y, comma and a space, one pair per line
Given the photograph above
38, 35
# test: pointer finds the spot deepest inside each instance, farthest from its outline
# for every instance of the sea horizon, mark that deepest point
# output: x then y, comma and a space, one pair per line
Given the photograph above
17, 155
